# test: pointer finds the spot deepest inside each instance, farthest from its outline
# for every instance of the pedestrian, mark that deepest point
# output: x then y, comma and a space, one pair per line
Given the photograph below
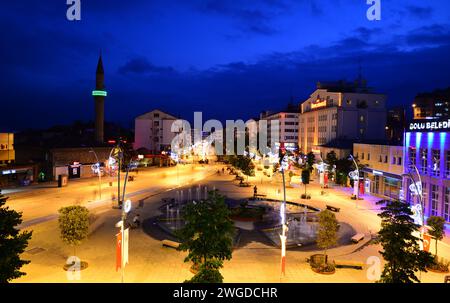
255, 191
137, 220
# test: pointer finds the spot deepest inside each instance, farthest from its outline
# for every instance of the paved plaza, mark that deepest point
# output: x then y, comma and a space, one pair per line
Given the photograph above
253, 261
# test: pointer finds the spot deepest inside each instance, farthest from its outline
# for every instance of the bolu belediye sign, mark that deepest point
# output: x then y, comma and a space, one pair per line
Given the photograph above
430, 125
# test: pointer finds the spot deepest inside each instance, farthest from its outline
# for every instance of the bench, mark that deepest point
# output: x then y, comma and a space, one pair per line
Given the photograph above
358, 237
332, 208
260, 195
170, 243
447, 279
348, 264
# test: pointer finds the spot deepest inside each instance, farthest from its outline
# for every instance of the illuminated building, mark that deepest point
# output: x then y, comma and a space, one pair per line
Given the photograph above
427, 146
7, 153
288, 127
395, 125
341, 111
382, 168
153, 131
434, 105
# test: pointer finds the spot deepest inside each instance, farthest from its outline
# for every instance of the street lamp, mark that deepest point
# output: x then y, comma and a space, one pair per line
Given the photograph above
283, 165
97, 168
124, 234
355, 176
116, 155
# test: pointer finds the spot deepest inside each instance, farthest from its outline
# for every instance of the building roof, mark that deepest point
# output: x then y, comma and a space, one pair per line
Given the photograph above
149, 115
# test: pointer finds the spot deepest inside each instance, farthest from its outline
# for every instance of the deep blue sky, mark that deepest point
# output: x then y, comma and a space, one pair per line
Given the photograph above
226, 59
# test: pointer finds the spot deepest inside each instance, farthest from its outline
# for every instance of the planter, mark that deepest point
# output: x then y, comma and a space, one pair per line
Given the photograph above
83, 266
316, 270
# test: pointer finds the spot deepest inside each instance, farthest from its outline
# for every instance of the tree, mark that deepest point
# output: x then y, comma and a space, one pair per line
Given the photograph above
12, 243
437, 231
305, 177
208, 273
401, 249
310, 159
74, 225
331, 160
343, 167
327, 232
208, 233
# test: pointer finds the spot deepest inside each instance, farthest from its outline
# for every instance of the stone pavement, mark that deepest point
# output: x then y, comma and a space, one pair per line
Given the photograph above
255, 262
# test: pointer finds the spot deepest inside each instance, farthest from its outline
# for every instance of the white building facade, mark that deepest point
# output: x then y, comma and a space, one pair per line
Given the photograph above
288, 128
383, 169
153, 131
341, 111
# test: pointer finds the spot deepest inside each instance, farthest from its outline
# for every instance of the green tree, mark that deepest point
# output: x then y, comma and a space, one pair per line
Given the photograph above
208, 273
331, 160
12, 243
74, 225
437, 225
208, 232
327, 232
401, 249
343, 167
310, 160
305, 177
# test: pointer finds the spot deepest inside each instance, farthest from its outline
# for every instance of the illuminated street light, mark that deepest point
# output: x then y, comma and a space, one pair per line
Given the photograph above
97, 169
355, 176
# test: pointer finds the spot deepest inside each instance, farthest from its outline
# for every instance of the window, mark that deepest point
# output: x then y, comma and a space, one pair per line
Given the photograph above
333, 128
156, 115
361, 118
368, 156
412, 156
385, 159
425, 196
361, 131
447, 166
436, 162
399, 161
424, 160
381, 159
434, 199
156, 123
394, 160
349, 101
362, 156
447, 204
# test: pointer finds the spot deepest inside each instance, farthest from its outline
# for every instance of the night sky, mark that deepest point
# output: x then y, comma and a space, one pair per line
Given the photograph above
226, 59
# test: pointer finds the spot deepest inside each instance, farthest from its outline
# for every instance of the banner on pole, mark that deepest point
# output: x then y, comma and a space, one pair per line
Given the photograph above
118, 251
125, 246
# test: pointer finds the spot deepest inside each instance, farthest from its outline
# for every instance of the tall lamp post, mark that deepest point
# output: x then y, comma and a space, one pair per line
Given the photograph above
116, 155
355, 178
417, 189
283, 166
98, 170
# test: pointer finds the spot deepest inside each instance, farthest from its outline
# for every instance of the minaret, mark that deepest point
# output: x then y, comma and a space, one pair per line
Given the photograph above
99, 99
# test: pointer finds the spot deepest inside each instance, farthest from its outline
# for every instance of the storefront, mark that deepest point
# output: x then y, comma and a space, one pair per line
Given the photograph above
382, 184
16, 176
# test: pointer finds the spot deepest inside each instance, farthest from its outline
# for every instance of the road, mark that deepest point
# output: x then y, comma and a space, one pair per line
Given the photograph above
41, 202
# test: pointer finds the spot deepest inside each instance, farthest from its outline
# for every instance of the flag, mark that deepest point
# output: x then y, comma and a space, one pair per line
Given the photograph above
426, 242
118, 251
125, 246
283, 254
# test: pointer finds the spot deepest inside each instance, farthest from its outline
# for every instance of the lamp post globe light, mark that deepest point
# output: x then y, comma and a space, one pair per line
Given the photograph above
96, 168
115, 158
355, 176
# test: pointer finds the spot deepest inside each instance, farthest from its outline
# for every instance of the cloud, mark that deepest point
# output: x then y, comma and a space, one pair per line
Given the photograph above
256, 17
420, 12
432, 35
143, 66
